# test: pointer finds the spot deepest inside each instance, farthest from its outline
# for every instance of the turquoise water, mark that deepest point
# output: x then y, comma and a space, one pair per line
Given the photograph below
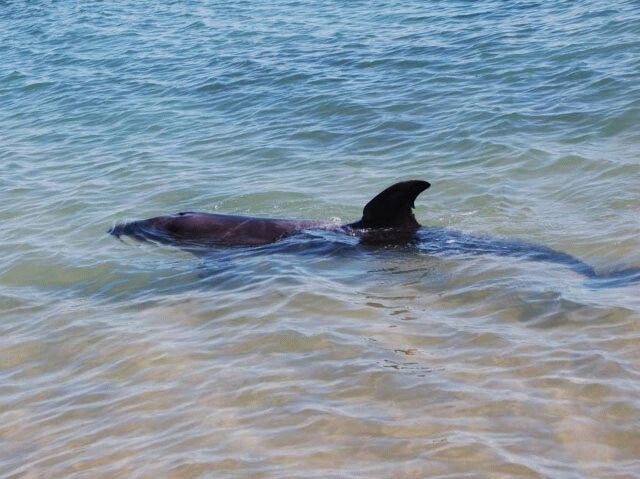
120, 359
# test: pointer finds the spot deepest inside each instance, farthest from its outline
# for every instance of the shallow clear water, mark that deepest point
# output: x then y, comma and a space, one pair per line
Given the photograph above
318, 357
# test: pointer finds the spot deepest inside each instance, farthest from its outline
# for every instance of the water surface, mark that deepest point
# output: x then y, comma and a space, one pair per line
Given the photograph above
318, 359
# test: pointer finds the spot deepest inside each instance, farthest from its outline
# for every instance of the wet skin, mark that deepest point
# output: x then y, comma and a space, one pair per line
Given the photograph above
390, 211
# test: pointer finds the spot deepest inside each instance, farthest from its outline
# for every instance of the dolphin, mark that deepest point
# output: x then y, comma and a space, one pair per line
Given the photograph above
386, 219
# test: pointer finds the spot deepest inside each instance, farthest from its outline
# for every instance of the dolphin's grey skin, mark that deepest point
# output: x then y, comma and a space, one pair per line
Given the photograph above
387, 218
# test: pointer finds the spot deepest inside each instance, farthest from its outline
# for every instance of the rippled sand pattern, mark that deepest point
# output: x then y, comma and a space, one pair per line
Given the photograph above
318, 358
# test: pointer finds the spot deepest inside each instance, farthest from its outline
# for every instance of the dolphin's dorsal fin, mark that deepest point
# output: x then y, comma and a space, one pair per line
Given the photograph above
392, 207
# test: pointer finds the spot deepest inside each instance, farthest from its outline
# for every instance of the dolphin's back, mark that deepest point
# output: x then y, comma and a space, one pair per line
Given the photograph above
207, 229
390, 209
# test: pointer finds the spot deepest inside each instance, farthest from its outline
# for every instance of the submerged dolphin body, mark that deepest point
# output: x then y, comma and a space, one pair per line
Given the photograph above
387, 218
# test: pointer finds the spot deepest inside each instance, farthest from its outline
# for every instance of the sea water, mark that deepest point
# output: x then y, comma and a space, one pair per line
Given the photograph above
318, 358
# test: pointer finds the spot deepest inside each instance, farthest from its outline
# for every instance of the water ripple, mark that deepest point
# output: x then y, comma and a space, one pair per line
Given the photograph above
317, 357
